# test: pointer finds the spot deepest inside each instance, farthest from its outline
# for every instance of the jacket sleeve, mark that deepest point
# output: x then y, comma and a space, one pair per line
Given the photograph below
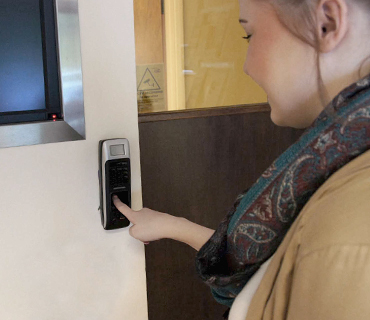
332, 283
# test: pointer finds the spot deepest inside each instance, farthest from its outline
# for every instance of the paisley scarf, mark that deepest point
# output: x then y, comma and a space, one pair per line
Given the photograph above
256, 225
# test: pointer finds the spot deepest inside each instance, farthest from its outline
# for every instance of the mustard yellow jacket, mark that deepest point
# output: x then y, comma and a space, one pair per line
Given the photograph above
321, 271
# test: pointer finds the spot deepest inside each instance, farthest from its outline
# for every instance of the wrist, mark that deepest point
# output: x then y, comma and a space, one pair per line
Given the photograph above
175, 227
183, 230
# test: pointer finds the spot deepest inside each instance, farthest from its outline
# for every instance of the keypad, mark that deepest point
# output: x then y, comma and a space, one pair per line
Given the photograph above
119, 174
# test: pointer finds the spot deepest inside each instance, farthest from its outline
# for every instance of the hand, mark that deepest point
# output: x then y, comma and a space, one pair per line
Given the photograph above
148, 225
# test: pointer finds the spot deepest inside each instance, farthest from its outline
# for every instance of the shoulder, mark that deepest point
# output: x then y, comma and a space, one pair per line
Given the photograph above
339, 212
332, 266
322, 268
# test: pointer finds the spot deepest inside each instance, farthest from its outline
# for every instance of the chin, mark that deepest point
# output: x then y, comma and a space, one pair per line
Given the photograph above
278, 119
275, 115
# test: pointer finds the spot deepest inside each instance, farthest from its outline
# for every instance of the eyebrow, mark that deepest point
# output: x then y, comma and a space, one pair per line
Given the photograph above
243, 21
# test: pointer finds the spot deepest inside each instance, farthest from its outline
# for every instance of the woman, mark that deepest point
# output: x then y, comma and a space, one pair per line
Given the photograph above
297, 244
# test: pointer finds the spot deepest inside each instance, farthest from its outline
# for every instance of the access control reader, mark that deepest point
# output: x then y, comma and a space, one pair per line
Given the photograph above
114, 179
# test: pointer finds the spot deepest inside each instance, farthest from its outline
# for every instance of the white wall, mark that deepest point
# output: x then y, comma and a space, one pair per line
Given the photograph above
56, 261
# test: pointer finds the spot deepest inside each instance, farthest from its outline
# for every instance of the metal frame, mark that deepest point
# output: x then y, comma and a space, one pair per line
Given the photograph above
73, 126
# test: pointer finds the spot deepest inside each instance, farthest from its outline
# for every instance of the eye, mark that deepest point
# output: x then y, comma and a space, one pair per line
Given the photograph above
248, 37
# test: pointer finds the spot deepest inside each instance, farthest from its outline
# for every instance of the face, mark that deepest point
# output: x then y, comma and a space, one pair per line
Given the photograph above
283, 65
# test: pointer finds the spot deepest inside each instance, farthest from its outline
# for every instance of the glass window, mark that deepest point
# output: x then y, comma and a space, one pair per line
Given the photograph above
190, 55
21, 57
29, 83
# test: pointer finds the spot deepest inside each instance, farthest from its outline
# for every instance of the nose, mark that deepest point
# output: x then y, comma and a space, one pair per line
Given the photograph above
245, 67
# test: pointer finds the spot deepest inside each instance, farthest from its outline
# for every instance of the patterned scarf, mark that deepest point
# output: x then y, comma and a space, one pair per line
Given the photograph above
260, 218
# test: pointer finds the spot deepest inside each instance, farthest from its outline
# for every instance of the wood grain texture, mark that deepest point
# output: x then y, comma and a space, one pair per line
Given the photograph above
195, 168
200, 113
148, 32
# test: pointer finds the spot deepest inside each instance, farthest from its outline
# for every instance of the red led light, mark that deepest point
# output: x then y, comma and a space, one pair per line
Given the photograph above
54, 116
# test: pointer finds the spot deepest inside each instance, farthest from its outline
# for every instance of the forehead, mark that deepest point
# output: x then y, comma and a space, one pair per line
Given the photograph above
243, 6
253, 9
249, 8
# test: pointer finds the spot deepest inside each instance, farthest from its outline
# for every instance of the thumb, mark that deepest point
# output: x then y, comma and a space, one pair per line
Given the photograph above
124, 209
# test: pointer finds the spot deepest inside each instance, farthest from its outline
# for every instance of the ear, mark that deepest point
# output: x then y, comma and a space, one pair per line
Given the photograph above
332, 23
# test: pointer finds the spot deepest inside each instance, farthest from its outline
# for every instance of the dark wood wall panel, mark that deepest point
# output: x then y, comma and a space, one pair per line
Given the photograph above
195, 168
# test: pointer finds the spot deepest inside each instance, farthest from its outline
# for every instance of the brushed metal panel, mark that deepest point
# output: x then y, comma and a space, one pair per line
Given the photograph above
70, 64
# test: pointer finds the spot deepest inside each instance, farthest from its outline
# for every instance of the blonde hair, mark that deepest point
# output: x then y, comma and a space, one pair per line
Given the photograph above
298, 17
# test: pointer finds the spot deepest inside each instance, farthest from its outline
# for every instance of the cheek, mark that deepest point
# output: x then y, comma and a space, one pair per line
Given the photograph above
260, 56
256, 64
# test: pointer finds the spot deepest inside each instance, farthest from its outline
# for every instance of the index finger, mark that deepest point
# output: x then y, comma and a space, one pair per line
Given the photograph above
123, 208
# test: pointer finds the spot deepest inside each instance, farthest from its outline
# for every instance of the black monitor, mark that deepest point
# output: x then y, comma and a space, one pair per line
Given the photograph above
29, 68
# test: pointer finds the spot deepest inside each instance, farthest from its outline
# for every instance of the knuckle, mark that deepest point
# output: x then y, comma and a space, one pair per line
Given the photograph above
132, 231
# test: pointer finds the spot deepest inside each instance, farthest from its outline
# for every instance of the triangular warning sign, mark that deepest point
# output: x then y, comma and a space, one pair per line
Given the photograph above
148, 82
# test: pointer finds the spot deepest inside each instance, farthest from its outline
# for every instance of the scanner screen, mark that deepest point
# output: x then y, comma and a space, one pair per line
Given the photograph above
117, 150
